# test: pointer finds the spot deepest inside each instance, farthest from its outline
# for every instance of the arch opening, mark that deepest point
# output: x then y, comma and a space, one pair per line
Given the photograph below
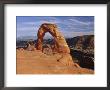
48, 44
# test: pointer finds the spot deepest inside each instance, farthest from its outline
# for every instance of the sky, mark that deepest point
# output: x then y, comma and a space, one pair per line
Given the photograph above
70, 26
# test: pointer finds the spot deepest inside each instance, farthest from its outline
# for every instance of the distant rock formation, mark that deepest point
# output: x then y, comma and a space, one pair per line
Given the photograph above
47, 49
79, 44
30, 46
82, 43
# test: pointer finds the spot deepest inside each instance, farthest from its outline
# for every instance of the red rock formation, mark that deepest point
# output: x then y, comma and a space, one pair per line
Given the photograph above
60, 42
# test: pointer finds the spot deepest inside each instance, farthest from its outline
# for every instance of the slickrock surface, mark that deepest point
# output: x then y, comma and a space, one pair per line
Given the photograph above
36, 62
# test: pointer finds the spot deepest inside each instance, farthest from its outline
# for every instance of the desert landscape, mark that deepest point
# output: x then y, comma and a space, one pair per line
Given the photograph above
36, 62
59, 55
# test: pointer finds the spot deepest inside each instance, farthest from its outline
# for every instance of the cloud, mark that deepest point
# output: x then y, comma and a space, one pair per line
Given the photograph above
80, 22
76, 25
69, 26
42, 20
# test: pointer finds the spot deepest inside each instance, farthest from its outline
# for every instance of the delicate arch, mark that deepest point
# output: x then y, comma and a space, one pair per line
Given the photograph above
60, 42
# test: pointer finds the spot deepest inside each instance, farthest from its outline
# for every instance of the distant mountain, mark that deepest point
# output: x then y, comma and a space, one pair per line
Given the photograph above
81, 42
26, 38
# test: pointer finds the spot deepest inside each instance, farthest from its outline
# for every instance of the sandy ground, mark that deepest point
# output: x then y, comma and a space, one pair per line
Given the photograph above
35, 62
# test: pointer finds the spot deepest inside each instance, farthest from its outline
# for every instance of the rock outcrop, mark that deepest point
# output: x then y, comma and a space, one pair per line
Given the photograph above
36, 62
30, 46
82, 43
82, 48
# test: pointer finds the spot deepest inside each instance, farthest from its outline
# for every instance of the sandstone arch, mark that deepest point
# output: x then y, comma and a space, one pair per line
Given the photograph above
60, 44
59, 40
